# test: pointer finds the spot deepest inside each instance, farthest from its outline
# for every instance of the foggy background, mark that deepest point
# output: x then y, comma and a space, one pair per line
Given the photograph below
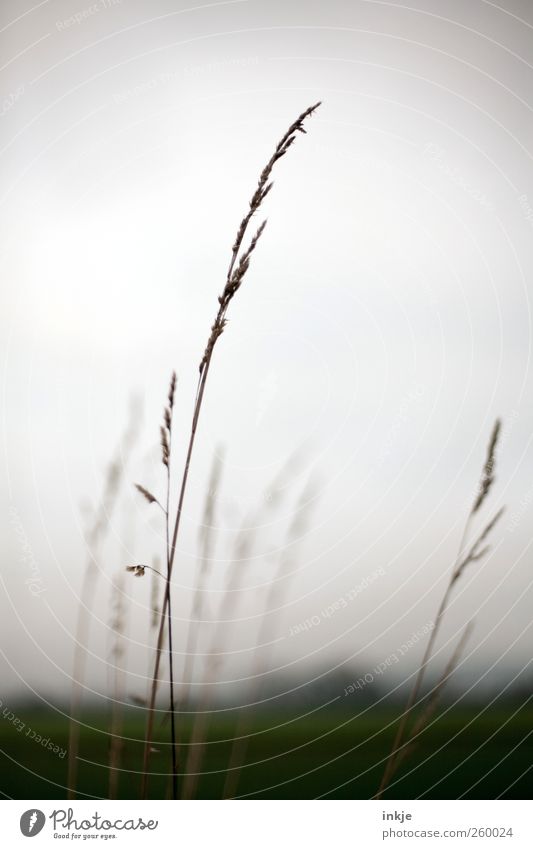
383, 326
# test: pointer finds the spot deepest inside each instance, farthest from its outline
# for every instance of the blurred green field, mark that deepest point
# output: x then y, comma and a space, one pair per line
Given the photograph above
464, 753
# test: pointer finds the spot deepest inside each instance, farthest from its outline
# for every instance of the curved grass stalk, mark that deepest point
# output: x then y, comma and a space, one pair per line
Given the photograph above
477, 551
238, 267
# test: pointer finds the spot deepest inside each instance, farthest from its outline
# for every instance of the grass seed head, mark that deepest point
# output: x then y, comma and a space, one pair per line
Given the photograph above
488, 477
172, 389
151, 499
165, 448
137, 570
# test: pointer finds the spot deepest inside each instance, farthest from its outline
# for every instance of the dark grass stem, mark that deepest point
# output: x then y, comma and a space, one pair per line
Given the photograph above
433, 699
238, 266
167, 454
462, 560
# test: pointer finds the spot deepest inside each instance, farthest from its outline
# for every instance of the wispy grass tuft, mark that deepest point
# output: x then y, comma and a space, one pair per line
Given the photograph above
476, 552
296, 531
238, 267
487, 478
166, 615
95, 541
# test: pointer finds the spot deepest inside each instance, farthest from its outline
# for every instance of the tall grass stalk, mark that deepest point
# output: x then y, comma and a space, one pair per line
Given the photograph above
166, 457
203, 570
95, 540
202, 573
166, 444
241, 560
238, 267
433, 699
477, 550
267, 629
118, 658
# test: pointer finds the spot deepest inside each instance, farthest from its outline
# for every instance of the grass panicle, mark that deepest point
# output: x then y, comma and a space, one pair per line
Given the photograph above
151, 499
166, 615
237, 271
238, 266
487, 478
433, 700
475, 552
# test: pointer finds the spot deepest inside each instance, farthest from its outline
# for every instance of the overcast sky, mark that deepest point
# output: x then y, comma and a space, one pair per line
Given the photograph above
383, 326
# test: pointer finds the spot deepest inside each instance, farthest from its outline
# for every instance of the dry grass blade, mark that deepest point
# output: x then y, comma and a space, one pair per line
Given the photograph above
155, 610
297, 529
202, 574
155, 619
165, 447
151, 499
433, 701
166, 443
172, 391
235, 274
234, 279
243, 552
206, 540
475, 552
138, 571
95, 540
118, 627
459, 566
488, 470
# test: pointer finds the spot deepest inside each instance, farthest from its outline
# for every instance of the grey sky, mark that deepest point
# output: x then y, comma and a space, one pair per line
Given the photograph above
384, 324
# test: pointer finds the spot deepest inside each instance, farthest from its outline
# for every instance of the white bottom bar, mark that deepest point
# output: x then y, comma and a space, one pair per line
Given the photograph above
268, 824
